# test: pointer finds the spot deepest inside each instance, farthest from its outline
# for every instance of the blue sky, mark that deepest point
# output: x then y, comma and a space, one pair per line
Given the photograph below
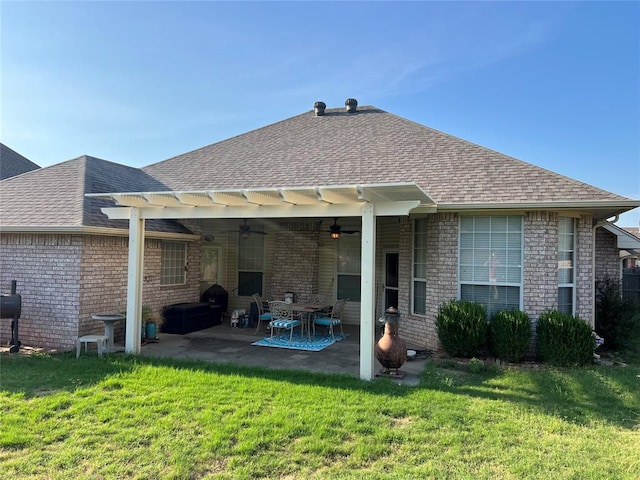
556, 84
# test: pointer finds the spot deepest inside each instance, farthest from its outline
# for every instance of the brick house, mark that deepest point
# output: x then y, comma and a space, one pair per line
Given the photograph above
431, 217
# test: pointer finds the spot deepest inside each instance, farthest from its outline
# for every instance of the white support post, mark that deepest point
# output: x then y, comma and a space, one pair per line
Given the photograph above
368, 292
134, 282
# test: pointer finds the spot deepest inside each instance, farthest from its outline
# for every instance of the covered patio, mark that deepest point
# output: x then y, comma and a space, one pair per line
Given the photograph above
367, 201
224, 344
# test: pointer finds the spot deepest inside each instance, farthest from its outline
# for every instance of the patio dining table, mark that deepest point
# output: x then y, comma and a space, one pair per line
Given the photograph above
307, 312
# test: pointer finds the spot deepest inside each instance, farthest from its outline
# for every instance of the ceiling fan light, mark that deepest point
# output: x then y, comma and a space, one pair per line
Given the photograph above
244, 235
335, 235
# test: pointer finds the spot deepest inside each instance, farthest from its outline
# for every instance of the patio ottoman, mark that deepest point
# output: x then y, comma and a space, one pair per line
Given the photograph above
184, 318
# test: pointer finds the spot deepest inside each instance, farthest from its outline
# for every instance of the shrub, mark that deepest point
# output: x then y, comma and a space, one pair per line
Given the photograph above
462, 327
510, 334
564, 340
617, 318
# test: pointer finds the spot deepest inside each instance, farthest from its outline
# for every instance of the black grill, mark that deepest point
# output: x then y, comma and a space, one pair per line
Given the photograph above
10, 307
216, 295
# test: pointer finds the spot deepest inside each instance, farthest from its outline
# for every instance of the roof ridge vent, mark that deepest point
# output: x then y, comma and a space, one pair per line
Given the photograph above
351, 104
319, 108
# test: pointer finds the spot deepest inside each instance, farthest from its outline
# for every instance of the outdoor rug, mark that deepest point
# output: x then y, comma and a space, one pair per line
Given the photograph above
317, 343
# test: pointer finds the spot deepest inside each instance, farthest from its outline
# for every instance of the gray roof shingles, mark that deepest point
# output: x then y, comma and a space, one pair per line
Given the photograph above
339, 148
54, 196
369, 146
12, 163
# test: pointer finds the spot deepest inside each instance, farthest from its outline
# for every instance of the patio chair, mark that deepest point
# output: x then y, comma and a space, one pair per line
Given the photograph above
263, 315
316, 299
332, 319
319, 300
282, 318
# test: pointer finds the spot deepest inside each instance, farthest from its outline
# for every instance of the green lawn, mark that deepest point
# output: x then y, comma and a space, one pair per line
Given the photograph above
126, 417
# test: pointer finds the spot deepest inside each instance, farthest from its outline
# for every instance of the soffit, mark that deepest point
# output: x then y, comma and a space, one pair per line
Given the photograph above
624, 239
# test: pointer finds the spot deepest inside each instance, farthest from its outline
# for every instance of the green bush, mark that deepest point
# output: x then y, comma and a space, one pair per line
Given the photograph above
462, 327
510, 334
617, 318
564, 340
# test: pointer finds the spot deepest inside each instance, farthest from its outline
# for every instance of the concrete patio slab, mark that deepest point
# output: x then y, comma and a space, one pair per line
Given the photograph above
223, 344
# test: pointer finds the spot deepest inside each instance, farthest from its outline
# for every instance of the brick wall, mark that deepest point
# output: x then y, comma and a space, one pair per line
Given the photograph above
607, 255
540, 269
47, 271
442, 262
584, 269
104, 280
64, 279
296, 262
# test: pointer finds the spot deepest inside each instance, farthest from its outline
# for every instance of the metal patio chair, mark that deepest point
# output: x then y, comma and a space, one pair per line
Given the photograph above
263, 314
282, 317
332, 319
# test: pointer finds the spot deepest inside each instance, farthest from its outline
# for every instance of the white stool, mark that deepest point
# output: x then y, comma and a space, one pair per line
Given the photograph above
100, 340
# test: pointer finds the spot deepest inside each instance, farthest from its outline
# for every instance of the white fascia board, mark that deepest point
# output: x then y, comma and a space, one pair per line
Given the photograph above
597, 204
402, 208
539, 205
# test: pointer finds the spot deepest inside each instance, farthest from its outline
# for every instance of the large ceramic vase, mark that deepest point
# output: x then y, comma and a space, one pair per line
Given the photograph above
391, 350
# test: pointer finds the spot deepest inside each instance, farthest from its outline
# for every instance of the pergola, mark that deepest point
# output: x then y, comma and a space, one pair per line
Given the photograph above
367, 201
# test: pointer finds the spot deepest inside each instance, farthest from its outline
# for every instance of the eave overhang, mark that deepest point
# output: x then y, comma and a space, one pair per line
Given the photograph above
624, 239
87, 230
598, 209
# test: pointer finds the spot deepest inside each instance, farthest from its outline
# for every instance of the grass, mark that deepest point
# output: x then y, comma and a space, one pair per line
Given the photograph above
128, 417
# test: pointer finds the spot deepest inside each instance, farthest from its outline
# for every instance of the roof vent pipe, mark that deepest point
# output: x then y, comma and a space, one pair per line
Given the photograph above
351, 104
318, 108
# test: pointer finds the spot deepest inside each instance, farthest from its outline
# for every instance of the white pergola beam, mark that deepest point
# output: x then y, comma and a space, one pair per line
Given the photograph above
128, 199
337, 194
247, 211
194, 199
298, 196
162, 199
262, 197
228, 198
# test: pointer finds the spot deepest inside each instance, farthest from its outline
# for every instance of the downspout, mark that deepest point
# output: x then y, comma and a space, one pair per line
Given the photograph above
601, 223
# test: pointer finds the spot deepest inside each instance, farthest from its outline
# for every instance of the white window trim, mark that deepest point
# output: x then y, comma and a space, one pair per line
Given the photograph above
413, 277
184, 263
571, 285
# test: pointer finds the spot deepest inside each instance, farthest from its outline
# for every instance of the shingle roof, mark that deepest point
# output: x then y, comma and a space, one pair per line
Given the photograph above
369, 146
12, 163
54, 196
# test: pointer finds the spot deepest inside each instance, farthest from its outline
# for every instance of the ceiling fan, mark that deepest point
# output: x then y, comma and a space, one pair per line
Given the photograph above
245, 230
335, 230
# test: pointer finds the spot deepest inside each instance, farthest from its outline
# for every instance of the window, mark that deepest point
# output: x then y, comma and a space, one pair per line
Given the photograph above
566, 267
490, 261
173, 263
420, 266
348, 268
250, 265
